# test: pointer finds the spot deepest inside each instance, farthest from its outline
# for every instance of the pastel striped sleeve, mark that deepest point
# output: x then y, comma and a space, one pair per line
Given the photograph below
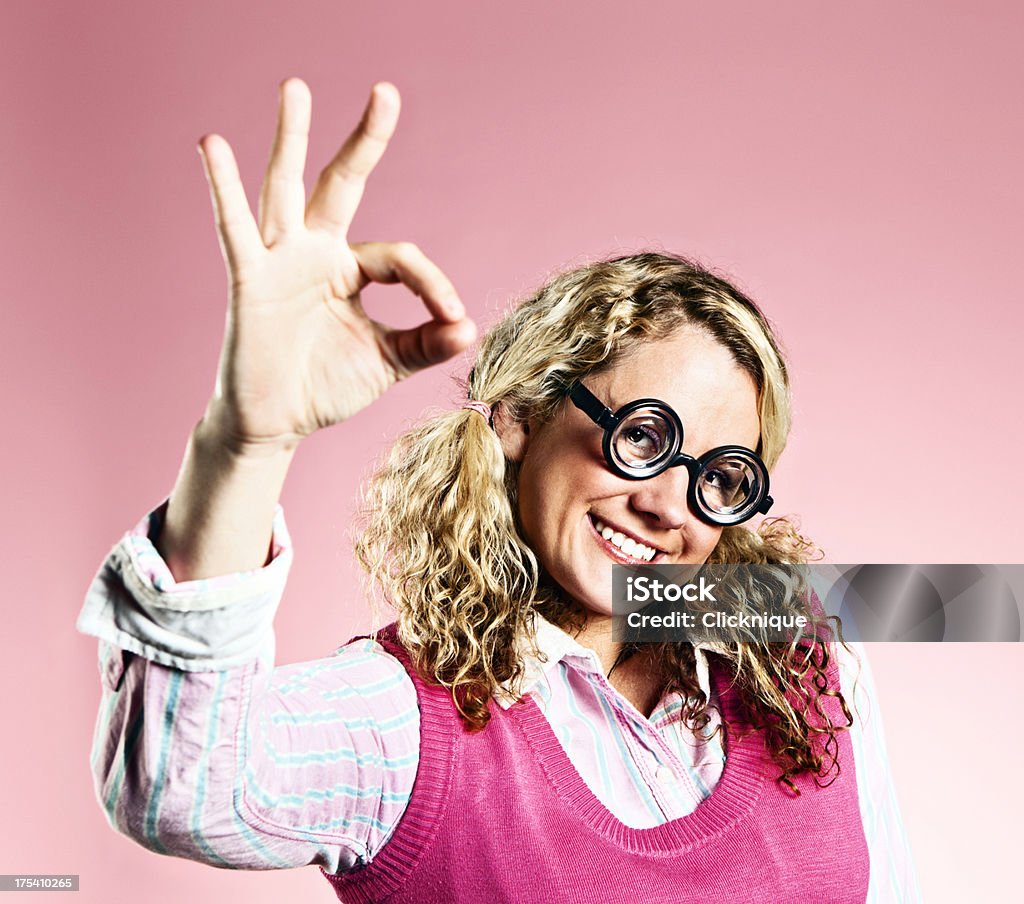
236, 763
135, 604
892, 875
258, 768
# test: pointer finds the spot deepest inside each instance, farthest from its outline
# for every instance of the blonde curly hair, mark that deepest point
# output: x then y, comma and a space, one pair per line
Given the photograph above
442, 539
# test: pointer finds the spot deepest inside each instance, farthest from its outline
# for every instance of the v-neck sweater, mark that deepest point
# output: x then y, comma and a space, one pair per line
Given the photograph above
503, 815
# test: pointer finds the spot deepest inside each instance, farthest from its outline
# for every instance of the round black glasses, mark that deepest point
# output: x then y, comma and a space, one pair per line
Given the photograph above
728, 484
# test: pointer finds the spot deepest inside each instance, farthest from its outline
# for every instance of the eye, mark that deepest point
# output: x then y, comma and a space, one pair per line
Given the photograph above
718, 477
724, 485
644, 440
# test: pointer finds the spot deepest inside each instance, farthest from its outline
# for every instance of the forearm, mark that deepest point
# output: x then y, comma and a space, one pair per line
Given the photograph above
220, 515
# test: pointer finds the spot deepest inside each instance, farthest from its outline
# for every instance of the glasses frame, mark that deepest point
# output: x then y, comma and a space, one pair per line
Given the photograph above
608, 420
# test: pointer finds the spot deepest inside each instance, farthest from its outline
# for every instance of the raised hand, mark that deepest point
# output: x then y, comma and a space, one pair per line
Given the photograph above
299, 351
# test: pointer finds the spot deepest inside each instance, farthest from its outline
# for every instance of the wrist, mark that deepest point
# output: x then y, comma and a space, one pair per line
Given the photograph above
220, 515
214, 437
217, 467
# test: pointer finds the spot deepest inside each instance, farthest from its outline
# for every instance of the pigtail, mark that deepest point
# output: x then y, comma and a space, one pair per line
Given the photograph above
441, 543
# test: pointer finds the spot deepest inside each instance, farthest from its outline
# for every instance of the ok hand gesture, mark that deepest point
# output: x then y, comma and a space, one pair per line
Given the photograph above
299, 351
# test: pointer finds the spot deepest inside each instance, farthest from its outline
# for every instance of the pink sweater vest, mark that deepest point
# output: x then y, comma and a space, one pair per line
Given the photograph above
502, 815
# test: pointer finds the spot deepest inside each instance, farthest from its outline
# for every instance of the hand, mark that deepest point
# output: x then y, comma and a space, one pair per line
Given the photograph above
299, 351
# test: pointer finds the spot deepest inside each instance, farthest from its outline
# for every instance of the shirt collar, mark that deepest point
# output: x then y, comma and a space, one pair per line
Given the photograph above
555, 645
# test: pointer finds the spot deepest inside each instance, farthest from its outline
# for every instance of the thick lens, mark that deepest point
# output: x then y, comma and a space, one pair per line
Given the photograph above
728, 484
644, 440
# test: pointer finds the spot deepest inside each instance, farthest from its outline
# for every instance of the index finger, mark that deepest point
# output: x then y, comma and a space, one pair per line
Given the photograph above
391, 262
339, 187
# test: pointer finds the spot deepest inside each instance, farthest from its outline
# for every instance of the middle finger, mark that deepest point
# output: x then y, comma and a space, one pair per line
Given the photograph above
283, 197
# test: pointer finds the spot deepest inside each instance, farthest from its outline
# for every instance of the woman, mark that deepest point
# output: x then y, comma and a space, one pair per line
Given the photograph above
497, 743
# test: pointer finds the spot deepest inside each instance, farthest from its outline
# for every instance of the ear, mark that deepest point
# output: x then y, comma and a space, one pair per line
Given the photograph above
514, 435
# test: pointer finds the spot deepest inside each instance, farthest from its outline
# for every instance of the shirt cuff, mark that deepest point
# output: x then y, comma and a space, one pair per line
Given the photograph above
211, 624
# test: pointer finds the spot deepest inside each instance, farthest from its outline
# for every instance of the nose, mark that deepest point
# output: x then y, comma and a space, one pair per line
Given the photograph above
663, 499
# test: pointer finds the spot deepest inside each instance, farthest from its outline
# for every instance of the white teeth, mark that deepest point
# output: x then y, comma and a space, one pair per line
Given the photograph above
627, 544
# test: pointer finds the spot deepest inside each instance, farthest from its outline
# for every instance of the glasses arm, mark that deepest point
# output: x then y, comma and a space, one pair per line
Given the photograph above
592, 406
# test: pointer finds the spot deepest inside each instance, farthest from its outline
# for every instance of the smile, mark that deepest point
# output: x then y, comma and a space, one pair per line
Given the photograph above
623, 546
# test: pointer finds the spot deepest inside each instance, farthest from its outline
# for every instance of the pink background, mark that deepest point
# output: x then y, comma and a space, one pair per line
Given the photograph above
856, 168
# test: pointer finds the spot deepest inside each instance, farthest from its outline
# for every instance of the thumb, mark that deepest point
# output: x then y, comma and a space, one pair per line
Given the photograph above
428, 344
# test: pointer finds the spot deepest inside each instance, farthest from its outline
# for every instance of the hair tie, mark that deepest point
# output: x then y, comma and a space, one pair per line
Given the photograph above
480, 407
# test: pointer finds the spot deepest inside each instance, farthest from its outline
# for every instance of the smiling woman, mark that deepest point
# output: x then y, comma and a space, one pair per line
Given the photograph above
565, 484
527, 504
494, 743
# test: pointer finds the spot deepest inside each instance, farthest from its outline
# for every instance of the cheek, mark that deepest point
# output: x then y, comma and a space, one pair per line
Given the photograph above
707, 539
533, 499
554, 488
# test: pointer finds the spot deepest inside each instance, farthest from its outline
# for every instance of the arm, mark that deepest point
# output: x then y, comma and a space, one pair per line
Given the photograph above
203, 749
246, 766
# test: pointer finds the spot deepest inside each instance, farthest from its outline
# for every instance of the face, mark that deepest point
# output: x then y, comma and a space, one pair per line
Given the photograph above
567, 493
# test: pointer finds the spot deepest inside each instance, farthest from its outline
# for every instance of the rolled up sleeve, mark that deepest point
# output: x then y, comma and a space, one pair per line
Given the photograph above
211, 624
203, 749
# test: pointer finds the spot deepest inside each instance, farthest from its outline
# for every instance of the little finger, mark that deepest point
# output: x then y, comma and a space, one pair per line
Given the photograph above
239, 237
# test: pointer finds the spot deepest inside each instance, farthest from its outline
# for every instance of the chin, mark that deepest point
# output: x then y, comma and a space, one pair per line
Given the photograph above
603, 610
592, 604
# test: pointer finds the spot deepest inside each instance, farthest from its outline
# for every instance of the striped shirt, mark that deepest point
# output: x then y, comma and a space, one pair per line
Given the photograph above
203, 749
